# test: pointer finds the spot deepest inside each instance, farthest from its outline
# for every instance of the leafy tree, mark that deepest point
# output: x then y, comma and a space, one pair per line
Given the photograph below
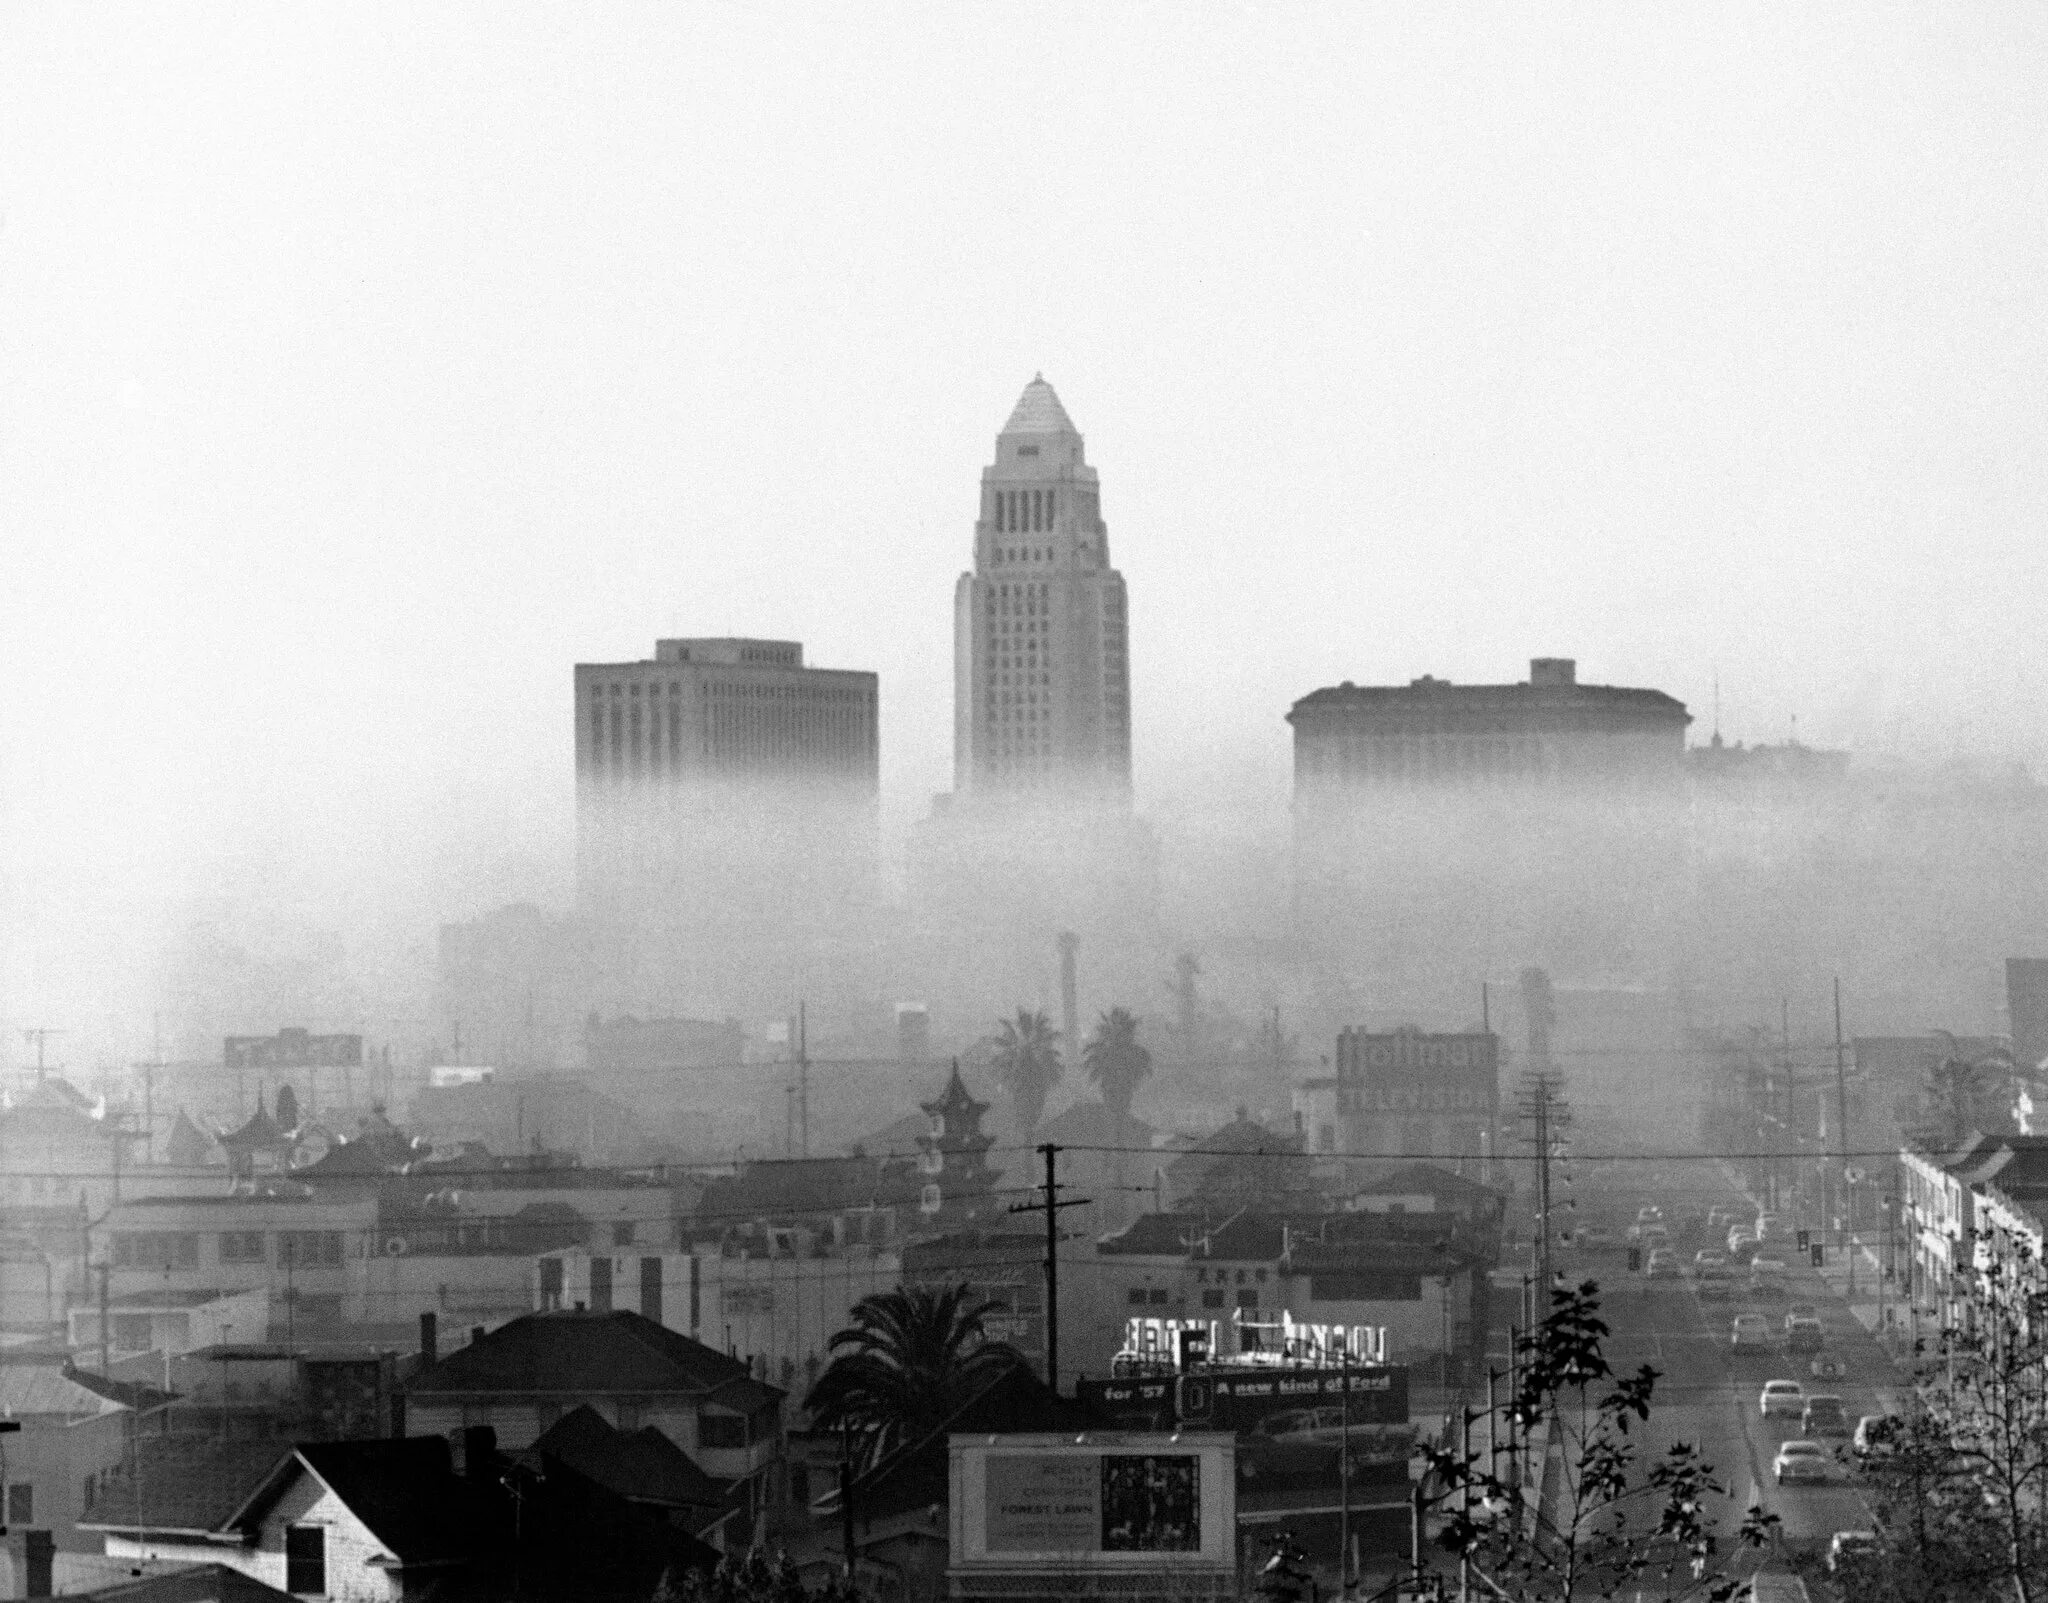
1116, 1063
1959, 1503
1027, 1064
287, 1115
1621, 1521
749, 1577
912, 1356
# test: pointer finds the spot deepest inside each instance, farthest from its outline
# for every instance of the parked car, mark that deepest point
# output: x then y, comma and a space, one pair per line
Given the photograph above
1715, 1285
1663, 1265
1799, 1310
1824, 1416
1847, 1544
1752, 1333
1649, 1213
1720, 1217
1709, 1258
1801, 1460
1767, 1277
1595, 1238
1804, 1336
1877, 1435
1768, 1225
1785, 1397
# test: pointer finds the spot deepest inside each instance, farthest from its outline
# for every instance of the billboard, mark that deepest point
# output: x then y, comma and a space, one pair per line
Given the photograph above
1407, 1072
1240, 1399
1102, 1501
292, 1049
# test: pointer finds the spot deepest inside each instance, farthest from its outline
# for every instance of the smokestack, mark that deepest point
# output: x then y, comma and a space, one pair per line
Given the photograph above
1553, 673
430, 1338
1070, 1000
2026, 1007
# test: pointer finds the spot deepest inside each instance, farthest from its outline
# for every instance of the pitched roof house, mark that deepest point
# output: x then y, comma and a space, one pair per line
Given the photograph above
523, 1377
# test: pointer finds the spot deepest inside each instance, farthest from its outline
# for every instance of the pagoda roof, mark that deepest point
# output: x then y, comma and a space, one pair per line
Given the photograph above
955, 1098
260, 1133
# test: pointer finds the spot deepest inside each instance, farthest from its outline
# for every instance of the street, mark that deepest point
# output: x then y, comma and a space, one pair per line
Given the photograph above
1708, 1393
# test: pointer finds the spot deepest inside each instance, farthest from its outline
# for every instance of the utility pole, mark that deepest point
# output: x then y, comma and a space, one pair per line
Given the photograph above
1050, 1207
803, 1081
1546, 1113
1848, 1196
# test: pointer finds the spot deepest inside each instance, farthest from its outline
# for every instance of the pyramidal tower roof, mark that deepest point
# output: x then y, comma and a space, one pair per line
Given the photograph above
1038, 411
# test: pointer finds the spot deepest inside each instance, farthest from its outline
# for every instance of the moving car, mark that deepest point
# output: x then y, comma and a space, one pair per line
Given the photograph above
1824, 1416
1782, 1397
1767, 1276
1767, 1226
1663, 1265
1847, 1544
1595, 1238
1752, 1333
1801, 1460
1799, 1310
1804, 1336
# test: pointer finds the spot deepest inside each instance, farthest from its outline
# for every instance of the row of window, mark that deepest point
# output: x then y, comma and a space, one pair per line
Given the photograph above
1156, 1296
179, 1249
710, 691
1025, 511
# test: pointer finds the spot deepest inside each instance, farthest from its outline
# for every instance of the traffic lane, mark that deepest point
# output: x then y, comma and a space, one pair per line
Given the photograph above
1708, 1397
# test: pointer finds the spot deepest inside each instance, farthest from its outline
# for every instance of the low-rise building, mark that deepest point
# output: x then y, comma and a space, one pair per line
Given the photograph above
296, 1247
524, 1376
169, 1321
71, 1439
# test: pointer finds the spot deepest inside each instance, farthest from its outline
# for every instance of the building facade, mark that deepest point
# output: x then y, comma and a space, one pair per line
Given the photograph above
1429, 733
714, 757
1042, 690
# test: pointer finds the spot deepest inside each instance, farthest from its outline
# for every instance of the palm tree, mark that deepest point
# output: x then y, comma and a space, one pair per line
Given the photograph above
911, 1358
1115, 1060
1027, 1064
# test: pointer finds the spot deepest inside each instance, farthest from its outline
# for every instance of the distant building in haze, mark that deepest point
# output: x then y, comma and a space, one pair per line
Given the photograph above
736, 711
725, 793
1429, 733
1042, 687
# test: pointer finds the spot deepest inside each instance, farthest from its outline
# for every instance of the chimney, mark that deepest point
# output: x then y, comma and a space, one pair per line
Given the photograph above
1553, 673
430, 1338
479, 1453
39, 1562
476, 1334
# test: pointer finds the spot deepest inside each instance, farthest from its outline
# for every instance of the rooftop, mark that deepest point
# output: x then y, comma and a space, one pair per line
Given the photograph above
577, 1353
1038, 411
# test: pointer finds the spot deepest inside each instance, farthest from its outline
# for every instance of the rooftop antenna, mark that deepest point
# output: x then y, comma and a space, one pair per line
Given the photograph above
39, 1035
1717, 704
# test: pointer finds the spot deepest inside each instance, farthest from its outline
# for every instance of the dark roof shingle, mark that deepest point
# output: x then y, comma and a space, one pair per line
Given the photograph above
584, 1354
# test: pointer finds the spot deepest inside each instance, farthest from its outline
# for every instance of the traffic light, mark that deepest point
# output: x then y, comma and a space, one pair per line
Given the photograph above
1805, 1239
1818, 1256
1635, 1260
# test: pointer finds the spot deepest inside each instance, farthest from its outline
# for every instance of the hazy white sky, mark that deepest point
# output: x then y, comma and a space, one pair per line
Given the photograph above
362, 368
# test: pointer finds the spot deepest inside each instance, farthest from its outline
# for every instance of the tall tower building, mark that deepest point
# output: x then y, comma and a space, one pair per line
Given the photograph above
1041, 648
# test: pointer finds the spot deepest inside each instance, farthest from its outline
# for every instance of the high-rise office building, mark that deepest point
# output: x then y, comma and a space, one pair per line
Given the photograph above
726, 812
724, 711
1041, 645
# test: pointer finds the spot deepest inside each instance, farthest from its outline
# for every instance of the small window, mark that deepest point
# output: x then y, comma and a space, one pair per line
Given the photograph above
1212, 1299
1158, 1294
305, 1560
1247, 1299
21, 1503
1137, 1297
